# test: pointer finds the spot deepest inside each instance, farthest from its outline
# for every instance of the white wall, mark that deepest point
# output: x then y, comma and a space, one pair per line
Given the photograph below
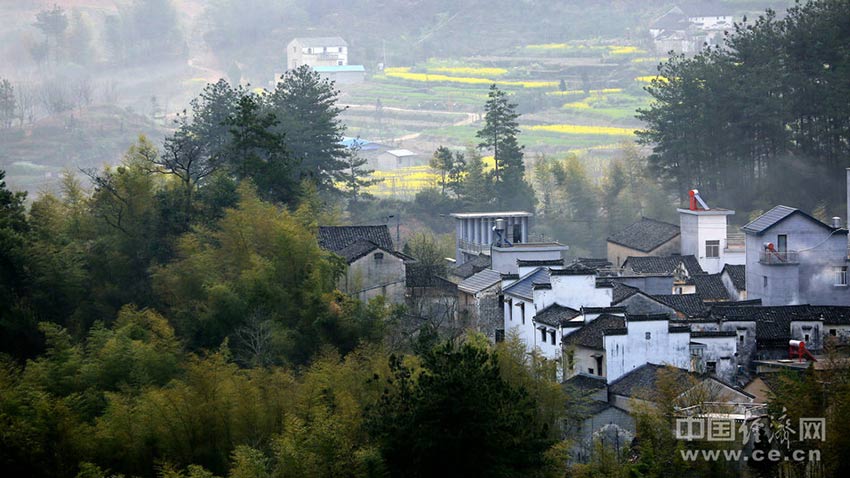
579, 291
624, 353
697, 227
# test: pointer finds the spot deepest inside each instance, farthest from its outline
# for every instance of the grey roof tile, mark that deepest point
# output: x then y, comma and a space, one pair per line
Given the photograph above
738, 275
691, 305
662, 264
555, 315
480, 281
645, 235
524, 286
710, 287
337, 238
590, 334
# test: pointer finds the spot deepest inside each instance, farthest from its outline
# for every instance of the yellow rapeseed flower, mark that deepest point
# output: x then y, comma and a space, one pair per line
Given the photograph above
583, 129
581, 92
469, 70
649, 78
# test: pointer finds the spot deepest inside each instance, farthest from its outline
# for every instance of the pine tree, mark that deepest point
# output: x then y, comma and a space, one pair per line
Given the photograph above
499, 135
305, 105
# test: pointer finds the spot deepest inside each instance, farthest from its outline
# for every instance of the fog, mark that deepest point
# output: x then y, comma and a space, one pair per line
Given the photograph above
88, 76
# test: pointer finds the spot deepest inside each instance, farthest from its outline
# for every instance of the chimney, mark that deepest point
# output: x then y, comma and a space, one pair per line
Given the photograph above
836, 222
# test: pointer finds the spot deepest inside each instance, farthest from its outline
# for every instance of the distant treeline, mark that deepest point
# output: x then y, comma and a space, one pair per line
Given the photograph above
763, 120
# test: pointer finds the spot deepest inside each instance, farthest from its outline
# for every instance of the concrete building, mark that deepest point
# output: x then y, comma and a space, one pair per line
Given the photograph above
475, 235
705, 235
342, 74
316, 52
793, 258
687, 28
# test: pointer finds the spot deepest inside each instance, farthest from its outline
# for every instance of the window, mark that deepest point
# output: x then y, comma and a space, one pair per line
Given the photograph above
840, 275
711, 367
712, 248
590, 371
543, 335
379, 256
678, 291
500, 335
517, 233
782, 242
510, 310
833, 332
648, 335
552, 337
339, 62
764, 282
741, 338
522, 312
806, 338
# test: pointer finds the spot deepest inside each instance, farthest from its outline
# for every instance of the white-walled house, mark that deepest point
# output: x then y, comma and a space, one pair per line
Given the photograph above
793, 258
704, 235
645, 339
316, 52
556, 294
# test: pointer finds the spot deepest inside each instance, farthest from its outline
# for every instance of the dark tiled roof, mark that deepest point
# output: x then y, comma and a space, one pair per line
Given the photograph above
593, 263
738, 275
480, 281
556, 315
540, 263
357, 249
641, 382
586, 382
590, 335
773, 323
623, 292
712, 333
776, 215
471, 267
645, 235
662, 264
710, 287
574, 269
337, 238
689, 304
418, 275
523, 287
832, 314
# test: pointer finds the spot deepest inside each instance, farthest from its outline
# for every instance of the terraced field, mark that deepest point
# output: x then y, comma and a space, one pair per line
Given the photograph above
576, 98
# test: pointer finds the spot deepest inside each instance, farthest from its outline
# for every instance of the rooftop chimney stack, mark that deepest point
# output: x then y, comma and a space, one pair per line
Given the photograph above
836, 222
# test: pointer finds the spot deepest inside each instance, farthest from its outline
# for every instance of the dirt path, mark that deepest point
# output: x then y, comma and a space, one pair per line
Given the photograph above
468, 119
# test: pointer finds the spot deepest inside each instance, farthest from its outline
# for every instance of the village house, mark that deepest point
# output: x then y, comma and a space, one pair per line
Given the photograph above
734, 278
705, 235
555, 293
374, 266
681, 268
687, 28
327, 56
793, 258
646, 237
641, 386
316, 52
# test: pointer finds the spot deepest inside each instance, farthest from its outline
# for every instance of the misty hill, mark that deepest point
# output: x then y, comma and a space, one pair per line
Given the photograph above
34, 155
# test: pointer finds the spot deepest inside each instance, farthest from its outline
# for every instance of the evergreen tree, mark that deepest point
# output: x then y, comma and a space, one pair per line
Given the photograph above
499, 135
458, 407
305, 105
